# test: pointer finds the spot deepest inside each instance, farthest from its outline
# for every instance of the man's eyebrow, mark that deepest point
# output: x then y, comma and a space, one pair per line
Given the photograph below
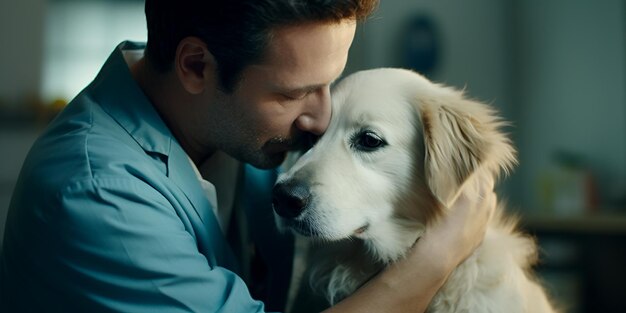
296, 89
308, 88
293, 90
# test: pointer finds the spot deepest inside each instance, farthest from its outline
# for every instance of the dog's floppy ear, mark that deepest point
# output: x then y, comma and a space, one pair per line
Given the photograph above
460, 137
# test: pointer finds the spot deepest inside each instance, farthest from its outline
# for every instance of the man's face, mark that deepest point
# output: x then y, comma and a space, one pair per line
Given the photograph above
285, 96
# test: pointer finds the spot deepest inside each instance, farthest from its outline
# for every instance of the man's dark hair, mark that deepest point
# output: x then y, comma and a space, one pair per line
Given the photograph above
236, 32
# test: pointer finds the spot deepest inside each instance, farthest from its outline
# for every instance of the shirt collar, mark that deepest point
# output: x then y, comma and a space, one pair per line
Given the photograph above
122, 98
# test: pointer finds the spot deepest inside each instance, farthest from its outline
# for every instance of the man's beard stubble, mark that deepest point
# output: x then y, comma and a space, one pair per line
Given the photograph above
274, 151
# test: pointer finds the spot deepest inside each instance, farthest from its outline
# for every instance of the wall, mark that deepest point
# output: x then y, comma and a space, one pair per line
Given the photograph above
21, 35
473, 39
570, 68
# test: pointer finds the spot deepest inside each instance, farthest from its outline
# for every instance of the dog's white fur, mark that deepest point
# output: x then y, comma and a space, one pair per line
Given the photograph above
436, 141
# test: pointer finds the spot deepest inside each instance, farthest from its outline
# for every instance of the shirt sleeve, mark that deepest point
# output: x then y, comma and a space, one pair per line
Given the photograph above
115, 245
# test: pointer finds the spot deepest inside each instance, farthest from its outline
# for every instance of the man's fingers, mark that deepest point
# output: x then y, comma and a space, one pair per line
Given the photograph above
491, 203
487, 200
486, 187
476, 196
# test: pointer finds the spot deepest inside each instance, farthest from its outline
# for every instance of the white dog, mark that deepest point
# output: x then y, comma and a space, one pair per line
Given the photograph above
396, 153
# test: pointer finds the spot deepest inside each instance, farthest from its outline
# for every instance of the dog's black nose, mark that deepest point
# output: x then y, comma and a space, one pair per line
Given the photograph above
290, 198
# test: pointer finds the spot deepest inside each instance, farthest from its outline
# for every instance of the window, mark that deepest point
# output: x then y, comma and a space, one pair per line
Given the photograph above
79, 37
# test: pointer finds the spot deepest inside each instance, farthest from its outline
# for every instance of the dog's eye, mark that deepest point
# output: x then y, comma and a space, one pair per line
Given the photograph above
367, 141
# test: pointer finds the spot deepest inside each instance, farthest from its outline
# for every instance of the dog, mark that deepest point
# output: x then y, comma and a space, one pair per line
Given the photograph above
397, 152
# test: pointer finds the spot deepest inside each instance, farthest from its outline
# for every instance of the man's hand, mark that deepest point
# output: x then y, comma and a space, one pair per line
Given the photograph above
462, 228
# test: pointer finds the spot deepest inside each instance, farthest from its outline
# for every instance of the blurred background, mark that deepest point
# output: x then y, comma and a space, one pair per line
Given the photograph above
555, 68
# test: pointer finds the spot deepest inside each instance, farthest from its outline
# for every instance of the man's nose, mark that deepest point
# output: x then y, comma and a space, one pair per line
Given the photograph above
316, 116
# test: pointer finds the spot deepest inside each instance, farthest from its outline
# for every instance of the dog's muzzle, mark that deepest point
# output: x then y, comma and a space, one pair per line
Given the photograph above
290, 198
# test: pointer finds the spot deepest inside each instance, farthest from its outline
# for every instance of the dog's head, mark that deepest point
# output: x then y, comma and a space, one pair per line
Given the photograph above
398, 148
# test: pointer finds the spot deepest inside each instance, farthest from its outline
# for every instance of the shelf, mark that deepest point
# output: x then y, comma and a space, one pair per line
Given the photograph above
589, 224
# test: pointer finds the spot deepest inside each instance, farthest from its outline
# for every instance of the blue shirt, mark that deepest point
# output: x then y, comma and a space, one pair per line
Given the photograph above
108, 215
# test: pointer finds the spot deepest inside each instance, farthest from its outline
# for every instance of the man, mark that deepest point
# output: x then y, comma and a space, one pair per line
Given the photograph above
109, 213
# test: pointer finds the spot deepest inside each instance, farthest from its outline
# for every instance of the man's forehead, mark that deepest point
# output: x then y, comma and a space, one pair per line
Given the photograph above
307, 55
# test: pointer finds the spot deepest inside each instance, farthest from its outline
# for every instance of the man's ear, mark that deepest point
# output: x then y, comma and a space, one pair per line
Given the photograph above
195, 65
460, 138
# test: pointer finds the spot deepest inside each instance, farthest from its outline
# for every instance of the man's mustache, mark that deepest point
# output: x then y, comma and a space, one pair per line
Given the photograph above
301, 142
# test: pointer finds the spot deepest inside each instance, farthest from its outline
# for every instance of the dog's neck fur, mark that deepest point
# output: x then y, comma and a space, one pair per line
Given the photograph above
385, 243
353, 267
388, 242
353, 263
393, 243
